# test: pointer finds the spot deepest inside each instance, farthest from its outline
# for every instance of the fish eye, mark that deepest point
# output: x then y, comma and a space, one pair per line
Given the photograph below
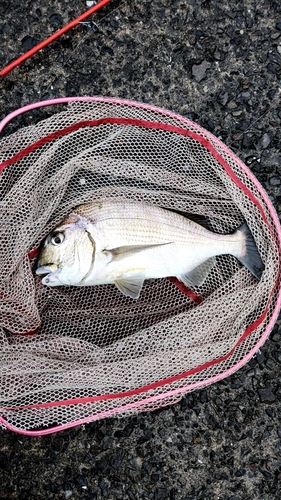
57, 239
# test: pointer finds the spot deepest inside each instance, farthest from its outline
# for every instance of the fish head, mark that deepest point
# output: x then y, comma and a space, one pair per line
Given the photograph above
67, 254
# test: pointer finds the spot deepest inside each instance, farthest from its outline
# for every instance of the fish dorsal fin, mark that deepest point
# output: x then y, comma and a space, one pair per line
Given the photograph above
122, 252
197, 276
131, 286
199, 219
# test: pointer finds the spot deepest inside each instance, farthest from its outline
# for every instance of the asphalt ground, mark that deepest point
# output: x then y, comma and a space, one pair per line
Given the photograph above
219, 64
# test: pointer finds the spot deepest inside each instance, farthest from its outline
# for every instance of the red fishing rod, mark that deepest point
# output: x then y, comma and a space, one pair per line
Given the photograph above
52, 38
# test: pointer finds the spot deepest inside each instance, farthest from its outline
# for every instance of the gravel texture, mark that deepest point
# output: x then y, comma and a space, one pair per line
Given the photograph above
219, 64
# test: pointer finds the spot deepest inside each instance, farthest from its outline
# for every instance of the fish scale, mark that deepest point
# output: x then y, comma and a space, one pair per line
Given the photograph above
149, 224
125, 243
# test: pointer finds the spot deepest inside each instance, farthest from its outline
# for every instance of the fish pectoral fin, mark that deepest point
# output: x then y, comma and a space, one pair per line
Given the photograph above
131, 286
198, 275
122, 252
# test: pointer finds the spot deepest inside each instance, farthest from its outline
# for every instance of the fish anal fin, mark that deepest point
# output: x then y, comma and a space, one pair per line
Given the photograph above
130, 286
199, 274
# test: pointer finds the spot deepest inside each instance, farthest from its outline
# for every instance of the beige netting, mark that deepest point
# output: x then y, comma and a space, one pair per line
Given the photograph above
96, 352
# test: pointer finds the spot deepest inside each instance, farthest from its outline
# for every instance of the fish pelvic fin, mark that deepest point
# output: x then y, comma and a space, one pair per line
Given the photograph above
131, 286
199, 274
251, 258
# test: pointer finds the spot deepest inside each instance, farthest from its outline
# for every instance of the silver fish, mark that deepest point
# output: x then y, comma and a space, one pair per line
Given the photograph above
127, 242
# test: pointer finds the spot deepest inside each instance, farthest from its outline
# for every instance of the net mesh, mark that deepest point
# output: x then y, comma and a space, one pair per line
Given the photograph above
93, 352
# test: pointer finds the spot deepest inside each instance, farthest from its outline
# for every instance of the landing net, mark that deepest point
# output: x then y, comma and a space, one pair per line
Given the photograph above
71, 355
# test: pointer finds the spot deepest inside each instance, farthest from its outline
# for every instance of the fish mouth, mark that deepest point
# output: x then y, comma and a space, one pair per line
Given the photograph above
51, 268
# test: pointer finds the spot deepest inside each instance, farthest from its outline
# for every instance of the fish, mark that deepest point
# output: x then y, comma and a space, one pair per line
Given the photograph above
126, 242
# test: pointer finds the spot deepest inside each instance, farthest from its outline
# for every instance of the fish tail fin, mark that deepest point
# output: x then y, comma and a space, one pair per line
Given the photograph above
251, 258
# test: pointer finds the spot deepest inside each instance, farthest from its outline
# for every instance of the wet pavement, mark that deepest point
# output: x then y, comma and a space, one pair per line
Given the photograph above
219, 65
